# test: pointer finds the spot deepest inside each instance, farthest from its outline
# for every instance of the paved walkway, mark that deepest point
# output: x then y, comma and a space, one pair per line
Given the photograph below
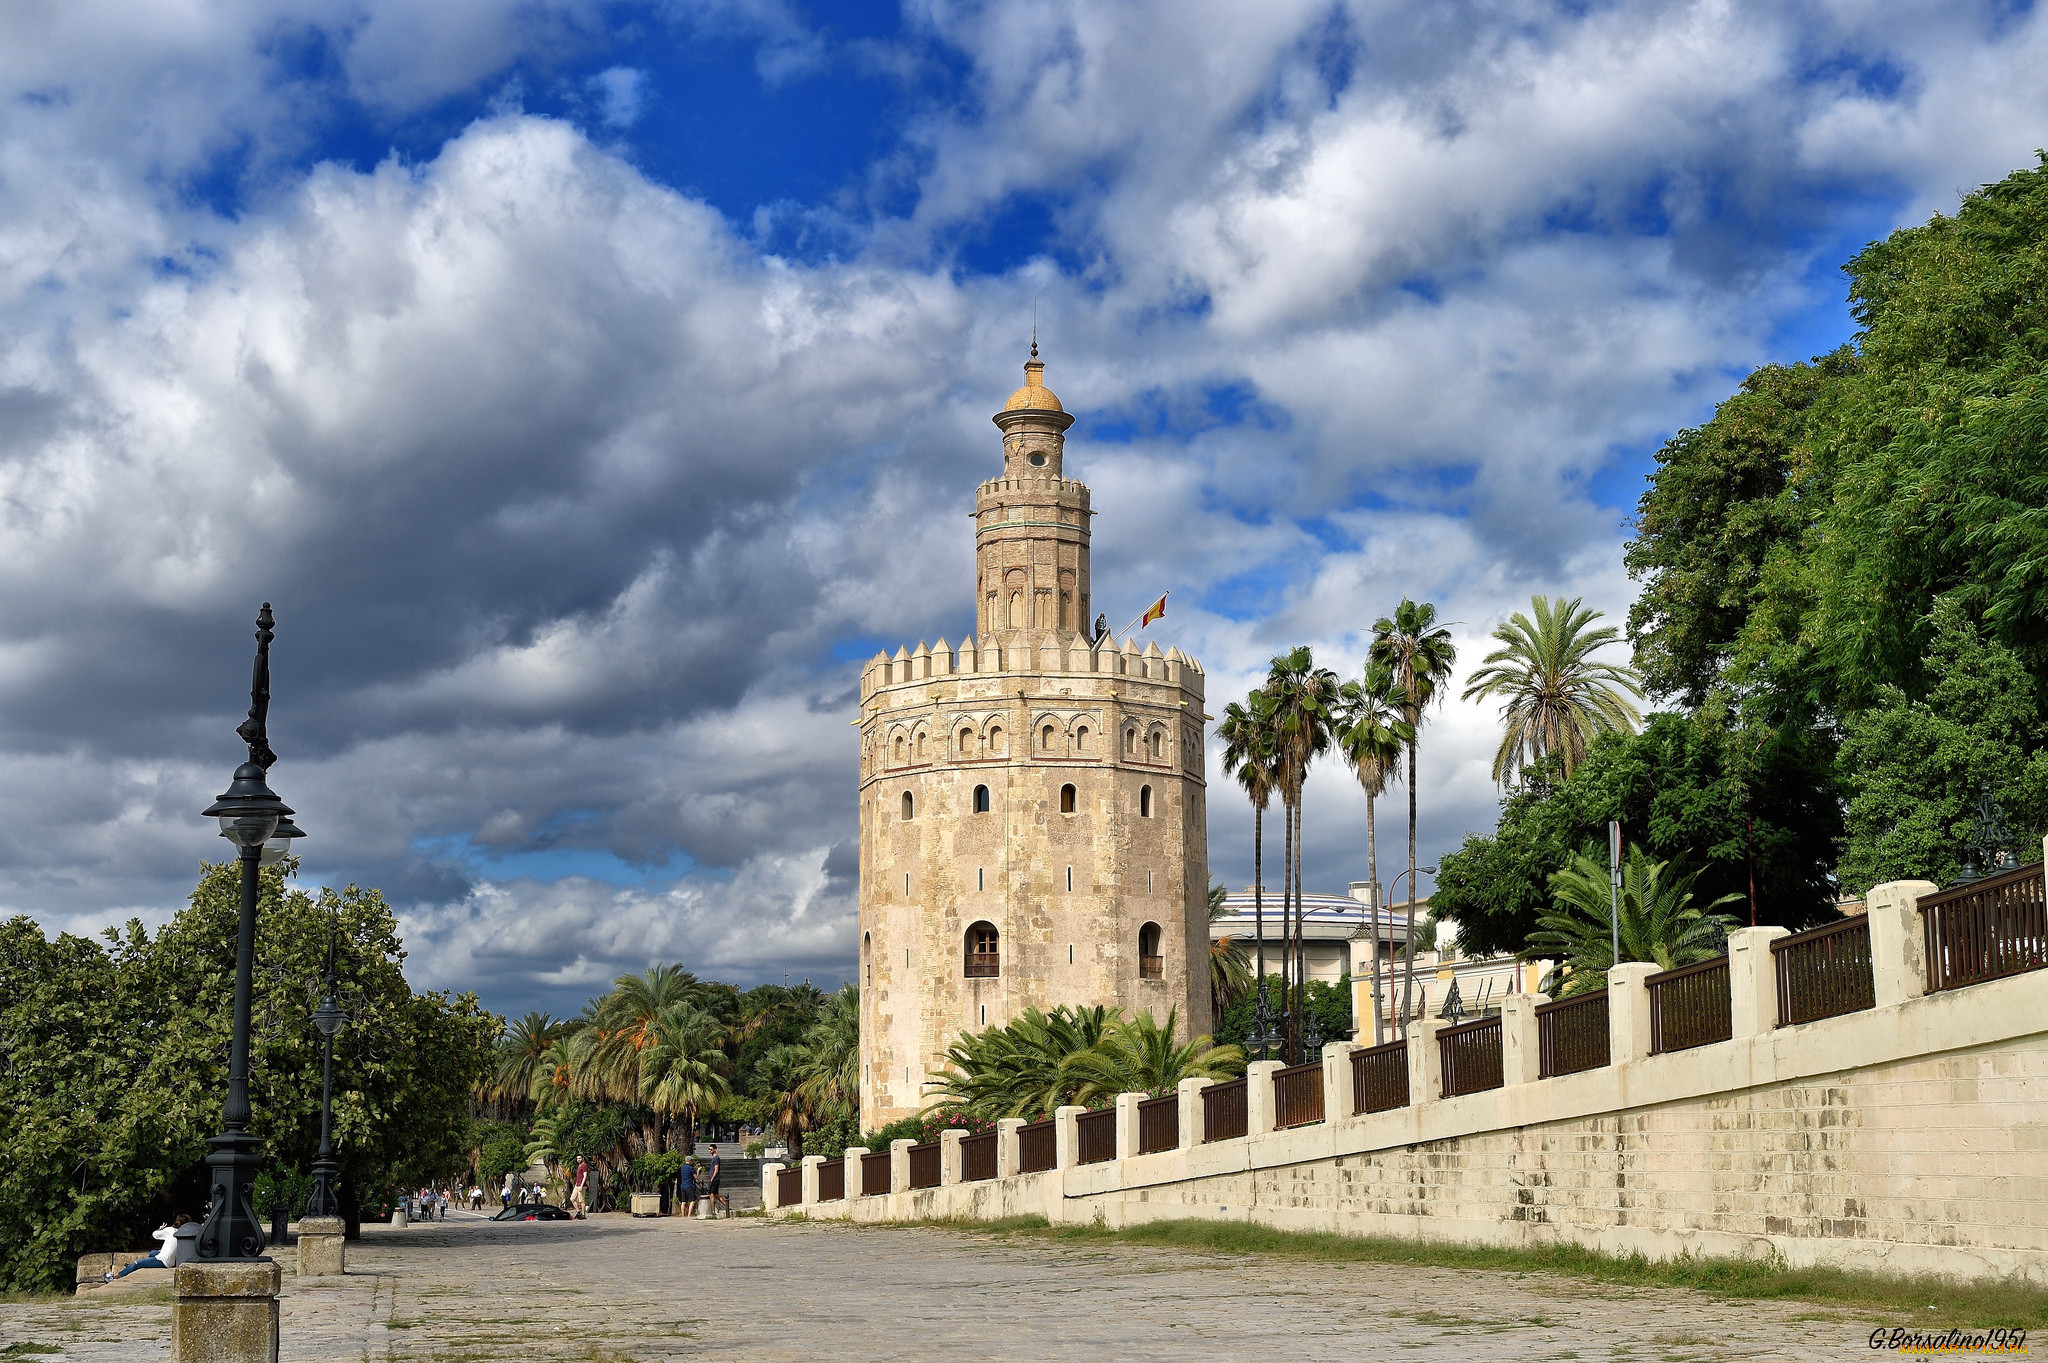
615, 1290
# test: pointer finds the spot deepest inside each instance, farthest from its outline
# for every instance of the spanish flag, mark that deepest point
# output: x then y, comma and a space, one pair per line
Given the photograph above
1158, 609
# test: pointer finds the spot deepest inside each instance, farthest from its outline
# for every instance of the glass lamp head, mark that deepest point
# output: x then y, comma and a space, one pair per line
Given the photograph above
329, 1017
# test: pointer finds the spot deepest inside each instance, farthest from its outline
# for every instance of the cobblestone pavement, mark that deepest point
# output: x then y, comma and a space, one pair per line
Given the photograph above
612, 1289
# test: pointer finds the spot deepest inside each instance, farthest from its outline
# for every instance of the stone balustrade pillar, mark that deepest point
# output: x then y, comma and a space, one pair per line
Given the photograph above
1190, 1095
899, 1165
856, 1178
810, 1167
322, 1246
1337, 1078
1753, 981
1127, 1123
226, 1312
771, 1186
1066, 1137
1259, 1111
949, 1156
1898, 940
1009, 1155
1425, 1062
1628, 1012
1521, 1043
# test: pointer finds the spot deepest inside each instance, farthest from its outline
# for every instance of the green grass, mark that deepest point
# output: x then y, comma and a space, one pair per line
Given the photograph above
1932, 1302
29, 1346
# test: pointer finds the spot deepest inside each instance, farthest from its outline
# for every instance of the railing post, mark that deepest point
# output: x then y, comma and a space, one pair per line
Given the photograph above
1066, 1137
1127, 1123
811, 1163
949, 1156
1190, 1093
1425, 1062
1898, 941
1521, 1041
771, 1187
899, 1165
1628, 1011
1337, 1079
856, 1174
1258, 1096
1753, 981
1008, 1155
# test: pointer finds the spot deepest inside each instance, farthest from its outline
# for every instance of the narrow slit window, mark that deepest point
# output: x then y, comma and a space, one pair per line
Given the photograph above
1144, 802
1070, 880
977, 879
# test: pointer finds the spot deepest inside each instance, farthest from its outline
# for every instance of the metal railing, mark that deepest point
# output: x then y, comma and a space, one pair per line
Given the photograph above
1223, 1111
978, 1158
1987, 929
1151, 967
1159, 1124
924, 1165
832, 1180
874, 1173
1379, 1078
789, 1187
1571, 1034
1824, 972
1038, 1146
1470, 1054
1689, 1006
984, 965
1096, 1135
1298, 1095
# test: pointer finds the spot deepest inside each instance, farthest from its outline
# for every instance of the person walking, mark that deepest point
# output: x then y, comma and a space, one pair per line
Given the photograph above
511, 1182
686, 1187
164, 1256
711, 1172
579, 1197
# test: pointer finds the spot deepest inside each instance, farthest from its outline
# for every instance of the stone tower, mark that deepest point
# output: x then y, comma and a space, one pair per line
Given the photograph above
1032, 822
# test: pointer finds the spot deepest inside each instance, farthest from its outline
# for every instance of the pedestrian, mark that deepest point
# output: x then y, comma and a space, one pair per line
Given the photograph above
476, 1197
505, 1196
164, 1256
711, 1172
686, 1186
579, 1197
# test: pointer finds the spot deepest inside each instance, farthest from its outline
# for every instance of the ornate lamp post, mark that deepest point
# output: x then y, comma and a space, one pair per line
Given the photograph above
1401, 1024
329, 1019
260, 825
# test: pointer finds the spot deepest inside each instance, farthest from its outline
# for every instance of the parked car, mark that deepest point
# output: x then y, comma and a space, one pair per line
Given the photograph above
543, 1212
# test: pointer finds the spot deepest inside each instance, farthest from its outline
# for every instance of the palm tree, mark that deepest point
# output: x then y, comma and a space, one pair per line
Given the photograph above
1229, 973
683, 1070
1248, 755
1658, 921
830, 1074
1556, 698
1418, 651
780, 1072
1372, 732
1304, 700
625, 1021
1016, 1070
1138, 1055
521, 1052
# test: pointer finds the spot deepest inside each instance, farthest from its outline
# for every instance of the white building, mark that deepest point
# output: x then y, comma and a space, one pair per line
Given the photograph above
1344, 935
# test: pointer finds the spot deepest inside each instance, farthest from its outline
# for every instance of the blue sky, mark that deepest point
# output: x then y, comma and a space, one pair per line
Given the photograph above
591, 386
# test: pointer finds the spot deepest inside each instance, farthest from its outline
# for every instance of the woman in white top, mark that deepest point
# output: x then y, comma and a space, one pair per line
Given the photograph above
165, 1257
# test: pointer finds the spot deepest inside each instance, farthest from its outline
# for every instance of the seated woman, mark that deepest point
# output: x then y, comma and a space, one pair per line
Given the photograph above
165, 1257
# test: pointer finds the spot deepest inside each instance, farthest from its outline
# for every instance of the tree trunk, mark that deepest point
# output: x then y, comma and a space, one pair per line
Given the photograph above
1259, 890
1372, 878
1408, 950
1300, 942
1287, 922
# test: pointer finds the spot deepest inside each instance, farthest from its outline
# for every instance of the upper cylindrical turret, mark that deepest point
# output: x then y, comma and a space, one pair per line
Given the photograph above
1031, 524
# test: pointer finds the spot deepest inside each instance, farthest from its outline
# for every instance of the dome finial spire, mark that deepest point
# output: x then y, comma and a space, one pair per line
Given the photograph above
1034, 327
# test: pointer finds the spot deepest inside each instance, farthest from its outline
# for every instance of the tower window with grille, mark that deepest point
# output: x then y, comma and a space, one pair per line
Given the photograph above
981, 799
1151, 963
984, 958
1066, 799
1144, 802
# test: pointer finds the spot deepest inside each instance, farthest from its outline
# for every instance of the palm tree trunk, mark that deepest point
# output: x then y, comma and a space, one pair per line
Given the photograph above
1287, 922
1259, 889
1372, 878
1300, 939
1408, 950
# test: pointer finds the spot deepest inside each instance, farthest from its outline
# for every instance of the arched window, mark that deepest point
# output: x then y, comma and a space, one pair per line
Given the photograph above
984, 960
897, 748
1081, 739
924, 747
1016, 610
995, 738
909, 806
966, 742
1144, 802
1151, 964
1066, 799
981, 799
1131, 742
1158, 744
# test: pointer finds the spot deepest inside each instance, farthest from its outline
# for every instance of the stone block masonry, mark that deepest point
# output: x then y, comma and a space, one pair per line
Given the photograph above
1908, 1138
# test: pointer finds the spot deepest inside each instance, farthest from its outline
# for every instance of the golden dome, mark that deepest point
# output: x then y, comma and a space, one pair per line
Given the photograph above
1034, 395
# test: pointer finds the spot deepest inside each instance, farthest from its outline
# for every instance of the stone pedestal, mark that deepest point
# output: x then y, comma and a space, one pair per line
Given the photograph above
322, 1246
226, 1313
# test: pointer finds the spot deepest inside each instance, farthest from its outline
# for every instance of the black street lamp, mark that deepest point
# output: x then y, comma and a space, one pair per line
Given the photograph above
260, 825
1265, 1034
329, 1019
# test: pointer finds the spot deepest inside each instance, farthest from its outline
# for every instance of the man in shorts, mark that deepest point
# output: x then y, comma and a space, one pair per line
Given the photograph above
579, 1199
710, 1176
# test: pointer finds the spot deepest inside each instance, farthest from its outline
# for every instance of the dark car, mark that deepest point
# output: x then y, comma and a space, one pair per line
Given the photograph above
541, 1213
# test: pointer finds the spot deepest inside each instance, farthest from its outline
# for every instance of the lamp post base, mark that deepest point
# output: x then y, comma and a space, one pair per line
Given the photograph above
232, 1232
225, 1313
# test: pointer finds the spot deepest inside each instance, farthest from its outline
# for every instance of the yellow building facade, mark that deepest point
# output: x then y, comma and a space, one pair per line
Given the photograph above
1033, 827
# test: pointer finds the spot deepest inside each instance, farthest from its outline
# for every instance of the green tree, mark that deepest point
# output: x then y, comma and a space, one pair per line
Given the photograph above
1915, 766
1556, 698
1372, 732
1418, 652
1230, 975
1250, 755
1303, 702
684, 1066
831, 1069
1140, 1055
1016, 1070
1659, 921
